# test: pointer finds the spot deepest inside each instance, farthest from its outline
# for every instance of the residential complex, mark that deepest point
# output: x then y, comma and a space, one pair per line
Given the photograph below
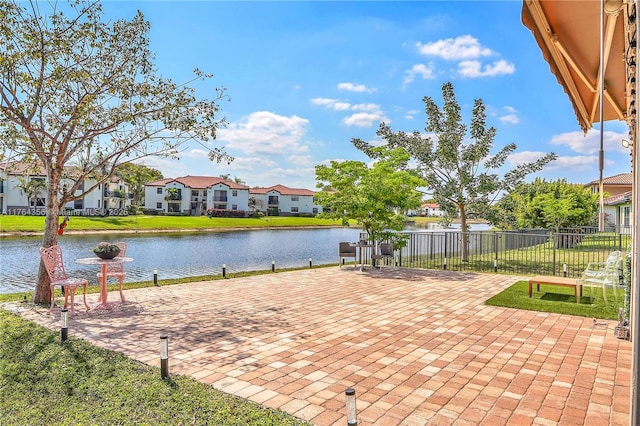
23, 192
195, 195
617, 205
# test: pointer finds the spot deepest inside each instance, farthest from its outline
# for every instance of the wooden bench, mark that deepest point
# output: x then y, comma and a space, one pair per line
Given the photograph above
559, 281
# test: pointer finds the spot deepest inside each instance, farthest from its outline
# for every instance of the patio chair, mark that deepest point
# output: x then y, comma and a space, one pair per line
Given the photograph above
385, 251
117, 269
54, 264
347, 249
604, 274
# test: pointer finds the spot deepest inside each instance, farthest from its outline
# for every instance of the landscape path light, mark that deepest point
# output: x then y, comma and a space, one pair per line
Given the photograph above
64, 324
351, 407
164, 356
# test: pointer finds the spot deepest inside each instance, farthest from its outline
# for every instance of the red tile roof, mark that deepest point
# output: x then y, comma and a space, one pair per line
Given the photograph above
20, 168
621, 179
199, 182
431, 205
623, 198
283, 190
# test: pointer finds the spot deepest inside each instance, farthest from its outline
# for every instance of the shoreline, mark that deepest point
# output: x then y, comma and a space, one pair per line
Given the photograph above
167, 231
190, 230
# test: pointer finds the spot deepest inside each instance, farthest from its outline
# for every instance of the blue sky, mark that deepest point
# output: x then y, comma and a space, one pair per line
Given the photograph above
304, 78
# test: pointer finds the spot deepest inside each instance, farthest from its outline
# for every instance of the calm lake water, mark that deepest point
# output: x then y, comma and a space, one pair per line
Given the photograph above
177, 255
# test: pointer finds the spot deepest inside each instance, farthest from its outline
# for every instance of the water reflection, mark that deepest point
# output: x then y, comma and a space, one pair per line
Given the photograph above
177, 255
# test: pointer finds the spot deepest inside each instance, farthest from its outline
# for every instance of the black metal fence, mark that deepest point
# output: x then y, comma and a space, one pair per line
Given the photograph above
528, 252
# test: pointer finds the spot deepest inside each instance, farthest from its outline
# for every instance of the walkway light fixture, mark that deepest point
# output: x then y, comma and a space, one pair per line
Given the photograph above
164, 356
64, 325
351, 407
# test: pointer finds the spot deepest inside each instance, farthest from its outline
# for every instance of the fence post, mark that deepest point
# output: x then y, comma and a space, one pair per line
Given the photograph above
553, 239
495, 249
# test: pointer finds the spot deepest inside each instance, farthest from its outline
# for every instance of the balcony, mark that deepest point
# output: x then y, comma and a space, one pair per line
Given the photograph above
220, 199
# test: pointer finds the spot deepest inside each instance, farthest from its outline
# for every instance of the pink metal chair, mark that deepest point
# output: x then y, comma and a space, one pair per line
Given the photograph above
117, 269
53, 263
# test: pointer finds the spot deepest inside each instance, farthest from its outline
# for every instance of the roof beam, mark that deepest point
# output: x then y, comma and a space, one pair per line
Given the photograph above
551, 41
608, 37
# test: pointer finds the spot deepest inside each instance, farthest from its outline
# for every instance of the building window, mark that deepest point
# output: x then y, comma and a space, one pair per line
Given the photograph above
78, 204
315, 210
195, 193
273, 200
627, 216
294, 198
294, 210
220, 195
234, 207
204, 193
234, 193
159, 191
158, 205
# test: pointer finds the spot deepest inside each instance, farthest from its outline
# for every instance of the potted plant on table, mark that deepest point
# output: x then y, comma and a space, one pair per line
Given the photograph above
106, 250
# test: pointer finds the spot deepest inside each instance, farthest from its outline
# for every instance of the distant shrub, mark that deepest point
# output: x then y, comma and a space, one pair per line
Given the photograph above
225, 213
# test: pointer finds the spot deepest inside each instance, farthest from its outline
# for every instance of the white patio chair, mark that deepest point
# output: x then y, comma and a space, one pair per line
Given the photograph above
604, 274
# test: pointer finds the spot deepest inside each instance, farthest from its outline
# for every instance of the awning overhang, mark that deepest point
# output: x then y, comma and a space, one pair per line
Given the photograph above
568, 34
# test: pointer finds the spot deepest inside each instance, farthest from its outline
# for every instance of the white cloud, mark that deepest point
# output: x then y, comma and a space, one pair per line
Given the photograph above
510, 118
350, 87
333, 104
265, 133
409, 115
419, 70
301, 160
250, 164
566, 164
522, 157
474, 69
365, 119
462, 47
511, 115
590, 143
322, 101
366, 107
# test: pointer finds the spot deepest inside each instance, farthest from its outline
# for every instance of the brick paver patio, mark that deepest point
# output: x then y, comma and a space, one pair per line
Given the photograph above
419, 347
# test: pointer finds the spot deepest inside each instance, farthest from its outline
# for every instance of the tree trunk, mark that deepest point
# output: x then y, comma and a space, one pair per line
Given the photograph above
42, 292
465, 236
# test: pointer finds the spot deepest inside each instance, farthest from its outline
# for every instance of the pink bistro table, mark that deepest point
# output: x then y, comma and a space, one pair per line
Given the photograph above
102, 302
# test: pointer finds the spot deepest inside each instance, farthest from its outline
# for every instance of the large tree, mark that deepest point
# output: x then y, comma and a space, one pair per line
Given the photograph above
546, 204
137, 176
33, 189
77, 90
375, 196
461, 174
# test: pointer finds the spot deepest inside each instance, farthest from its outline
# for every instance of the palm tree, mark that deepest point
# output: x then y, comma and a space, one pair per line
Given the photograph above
32, 189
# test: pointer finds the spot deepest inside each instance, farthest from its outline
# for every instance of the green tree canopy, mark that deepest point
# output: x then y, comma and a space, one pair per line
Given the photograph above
137, 176
375, 196
542, 204
75, 89
462, 175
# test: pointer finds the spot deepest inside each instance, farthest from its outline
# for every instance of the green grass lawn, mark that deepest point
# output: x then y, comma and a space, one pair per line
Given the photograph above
560, 300
44, 382
9, 223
